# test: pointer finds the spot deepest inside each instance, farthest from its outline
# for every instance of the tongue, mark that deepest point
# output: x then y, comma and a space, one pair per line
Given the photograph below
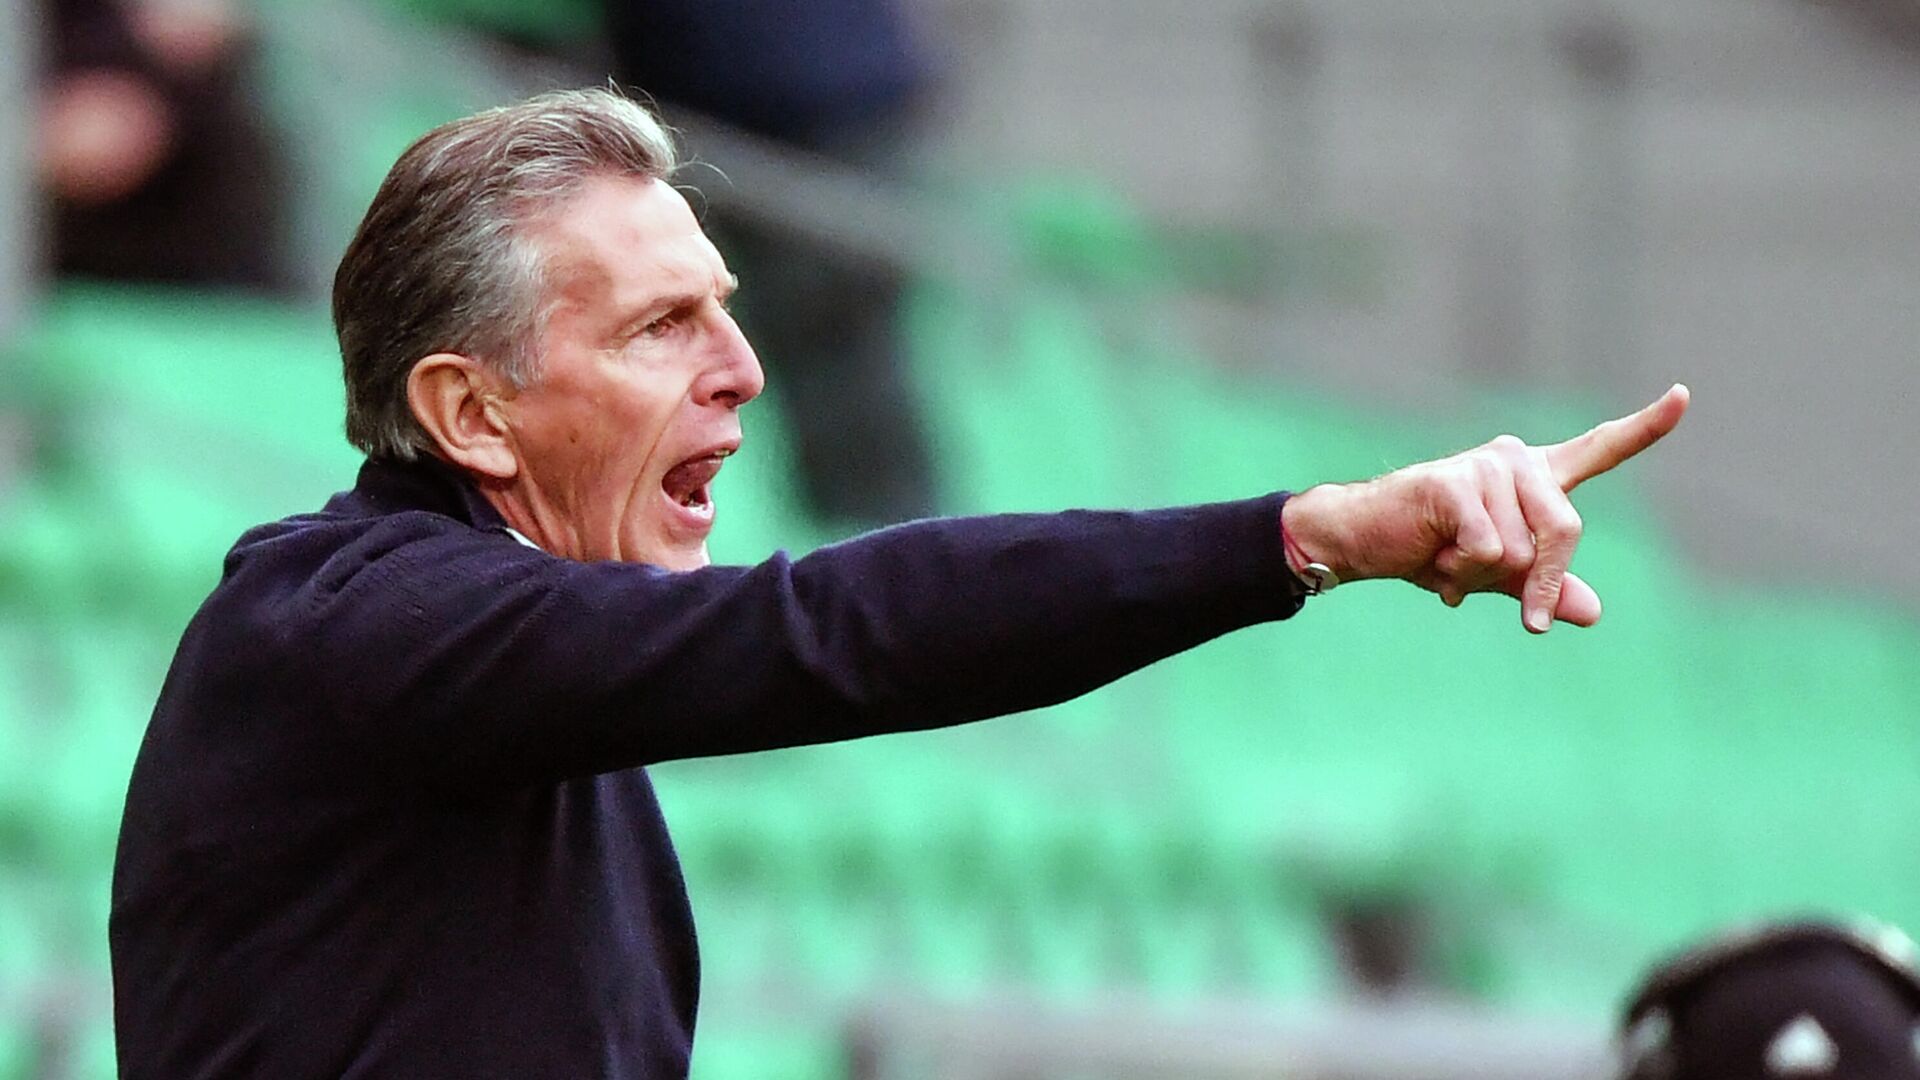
690, 476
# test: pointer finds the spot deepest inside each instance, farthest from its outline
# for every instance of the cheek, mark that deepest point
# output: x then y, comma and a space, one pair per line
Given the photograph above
570, 446
620, 438
603, 435
641, 414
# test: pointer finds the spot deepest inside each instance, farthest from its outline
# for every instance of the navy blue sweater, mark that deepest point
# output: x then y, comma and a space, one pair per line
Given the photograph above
389, 817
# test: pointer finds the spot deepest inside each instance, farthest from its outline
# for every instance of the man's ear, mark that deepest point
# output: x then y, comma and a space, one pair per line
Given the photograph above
454, 399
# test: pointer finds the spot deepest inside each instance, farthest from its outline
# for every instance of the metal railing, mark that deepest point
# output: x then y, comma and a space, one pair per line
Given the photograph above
1016, 1040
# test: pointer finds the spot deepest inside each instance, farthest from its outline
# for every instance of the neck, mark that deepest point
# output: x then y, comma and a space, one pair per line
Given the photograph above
527, 511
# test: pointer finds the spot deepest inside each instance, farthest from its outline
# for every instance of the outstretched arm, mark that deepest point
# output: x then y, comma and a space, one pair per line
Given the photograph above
481, 662
1495, 518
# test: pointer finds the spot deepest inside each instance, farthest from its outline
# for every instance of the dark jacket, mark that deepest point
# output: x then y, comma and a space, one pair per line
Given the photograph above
804, 72
389, 817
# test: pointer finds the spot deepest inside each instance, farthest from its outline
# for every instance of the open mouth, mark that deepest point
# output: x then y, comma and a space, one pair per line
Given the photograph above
688, 485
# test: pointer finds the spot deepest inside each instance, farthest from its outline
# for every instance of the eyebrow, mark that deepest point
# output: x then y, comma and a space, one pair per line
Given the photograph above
663, 305
676, 301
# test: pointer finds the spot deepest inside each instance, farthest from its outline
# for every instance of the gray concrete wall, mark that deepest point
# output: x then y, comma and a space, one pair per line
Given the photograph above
18, 231
17, 227
1561, 195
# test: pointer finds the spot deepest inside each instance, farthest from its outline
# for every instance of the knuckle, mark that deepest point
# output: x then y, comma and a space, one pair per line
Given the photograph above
1570, 524
1517, 557
1561, 526
1508, 444
1461, 483
1490, 472
1475, 549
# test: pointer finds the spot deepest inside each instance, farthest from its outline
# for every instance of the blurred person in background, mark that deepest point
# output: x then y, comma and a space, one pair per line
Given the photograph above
1788, 1001
157, 165
840, 79
391, 815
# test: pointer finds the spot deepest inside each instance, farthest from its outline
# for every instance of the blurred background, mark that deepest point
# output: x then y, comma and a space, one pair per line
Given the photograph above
1027, 254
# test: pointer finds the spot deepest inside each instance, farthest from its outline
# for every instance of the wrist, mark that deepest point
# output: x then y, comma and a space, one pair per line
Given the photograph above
1310, 534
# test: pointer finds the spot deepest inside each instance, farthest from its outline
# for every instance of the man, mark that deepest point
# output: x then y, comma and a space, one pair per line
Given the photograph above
842, 79
389, 817
156, 161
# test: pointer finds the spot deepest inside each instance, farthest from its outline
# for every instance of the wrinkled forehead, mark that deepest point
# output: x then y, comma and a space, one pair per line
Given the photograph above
626, 239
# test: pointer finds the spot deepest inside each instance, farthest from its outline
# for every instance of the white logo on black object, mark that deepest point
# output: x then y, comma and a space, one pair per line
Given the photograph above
1649, 1035
1802, 1048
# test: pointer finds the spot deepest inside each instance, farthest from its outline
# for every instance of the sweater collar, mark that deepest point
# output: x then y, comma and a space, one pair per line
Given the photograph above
427, 483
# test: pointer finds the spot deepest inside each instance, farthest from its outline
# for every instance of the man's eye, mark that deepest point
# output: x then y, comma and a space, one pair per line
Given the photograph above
660, 327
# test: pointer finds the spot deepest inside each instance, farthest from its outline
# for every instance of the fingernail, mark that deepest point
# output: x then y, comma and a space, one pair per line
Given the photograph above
1539, 622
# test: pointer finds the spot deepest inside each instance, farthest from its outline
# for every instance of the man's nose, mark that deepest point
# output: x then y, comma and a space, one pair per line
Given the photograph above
733, 378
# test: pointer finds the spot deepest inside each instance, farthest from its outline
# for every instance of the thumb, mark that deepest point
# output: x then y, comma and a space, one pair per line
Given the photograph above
1578, 603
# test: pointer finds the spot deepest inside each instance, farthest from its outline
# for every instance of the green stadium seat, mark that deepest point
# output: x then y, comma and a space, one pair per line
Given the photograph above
16, 1051
1563, 808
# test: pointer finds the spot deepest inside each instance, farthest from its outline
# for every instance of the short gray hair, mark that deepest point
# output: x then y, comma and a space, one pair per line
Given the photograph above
443, 261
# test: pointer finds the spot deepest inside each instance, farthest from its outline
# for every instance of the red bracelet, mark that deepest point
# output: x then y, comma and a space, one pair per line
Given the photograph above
1316, 577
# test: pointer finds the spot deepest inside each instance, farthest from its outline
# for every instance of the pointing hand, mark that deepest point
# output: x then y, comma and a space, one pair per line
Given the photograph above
1495, 518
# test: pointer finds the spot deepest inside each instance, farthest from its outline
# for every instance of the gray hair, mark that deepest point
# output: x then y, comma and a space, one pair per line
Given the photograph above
443, 261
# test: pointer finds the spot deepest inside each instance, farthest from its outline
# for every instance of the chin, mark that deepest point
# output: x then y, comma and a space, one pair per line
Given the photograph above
675, 557
690, 560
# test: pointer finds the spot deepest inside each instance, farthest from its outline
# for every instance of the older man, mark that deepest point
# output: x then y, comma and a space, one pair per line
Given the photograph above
390, 817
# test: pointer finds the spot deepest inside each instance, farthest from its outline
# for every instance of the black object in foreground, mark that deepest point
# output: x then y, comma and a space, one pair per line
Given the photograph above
1797, 1001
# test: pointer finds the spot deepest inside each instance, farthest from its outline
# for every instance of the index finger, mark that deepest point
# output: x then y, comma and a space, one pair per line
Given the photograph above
1586, 456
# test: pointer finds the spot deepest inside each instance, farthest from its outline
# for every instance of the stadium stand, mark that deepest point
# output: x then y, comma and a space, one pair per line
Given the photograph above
1549, 813
1555, 810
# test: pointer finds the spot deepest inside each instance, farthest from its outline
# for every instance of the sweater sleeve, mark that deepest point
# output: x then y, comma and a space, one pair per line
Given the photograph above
469, 658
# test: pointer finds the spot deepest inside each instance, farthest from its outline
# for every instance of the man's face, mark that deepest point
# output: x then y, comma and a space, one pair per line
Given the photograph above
641, 373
